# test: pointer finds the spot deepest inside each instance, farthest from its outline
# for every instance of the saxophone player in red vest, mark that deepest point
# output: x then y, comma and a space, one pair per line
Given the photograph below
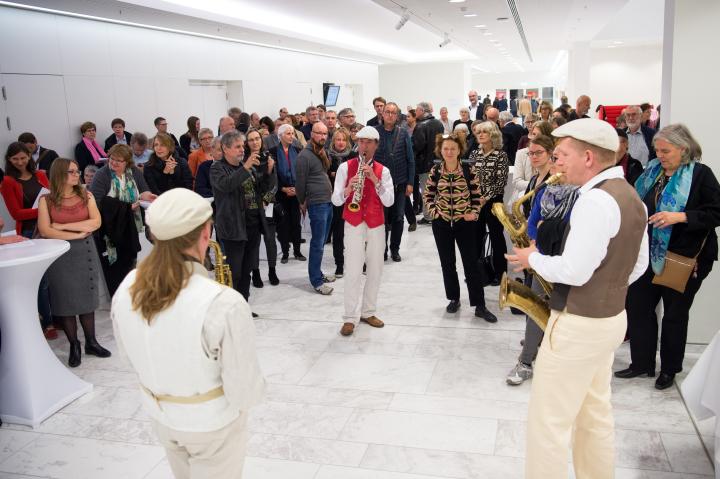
363, 187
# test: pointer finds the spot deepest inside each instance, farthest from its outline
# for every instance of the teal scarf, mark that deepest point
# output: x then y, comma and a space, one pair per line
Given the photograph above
673, 199
127, 192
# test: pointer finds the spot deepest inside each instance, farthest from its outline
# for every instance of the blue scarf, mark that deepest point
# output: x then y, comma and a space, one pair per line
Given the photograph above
673, 199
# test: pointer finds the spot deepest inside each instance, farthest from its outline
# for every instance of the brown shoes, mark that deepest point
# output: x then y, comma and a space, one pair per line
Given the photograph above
347, 329
373, 321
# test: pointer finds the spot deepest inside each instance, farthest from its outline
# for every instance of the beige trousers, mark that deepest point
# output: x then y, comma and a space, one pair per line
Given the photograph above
201, 455
363, 245
570, 398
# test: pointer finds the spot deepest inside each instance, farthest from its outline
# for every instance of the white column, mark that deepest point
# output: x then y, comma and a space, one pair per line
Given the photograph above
689, 63
578, 79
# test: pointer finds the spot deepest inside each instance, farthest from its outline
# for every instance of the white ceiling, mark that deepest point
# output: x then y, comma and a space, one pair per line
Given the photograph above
365, 30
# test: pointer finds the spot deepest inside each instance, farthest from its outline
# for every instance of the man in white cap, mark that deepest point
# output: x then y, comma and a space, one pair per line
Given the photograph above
604, 250
192, 343
364, 228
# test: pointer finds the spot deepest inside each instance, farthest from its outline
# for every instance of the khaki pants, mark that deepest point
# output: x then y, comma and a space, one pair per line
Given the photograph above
363, 245
200, 455
570, 398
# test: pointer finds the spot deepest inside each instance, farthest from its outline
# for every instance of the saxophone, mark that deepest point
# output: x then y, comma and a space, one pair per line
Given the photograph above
223, 275
354, 205
513, 293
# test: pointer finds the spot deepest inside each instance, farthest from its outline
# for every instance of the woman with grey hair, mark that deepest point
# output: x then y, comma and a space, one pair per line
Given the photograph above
682, 197
491, 164
464, 118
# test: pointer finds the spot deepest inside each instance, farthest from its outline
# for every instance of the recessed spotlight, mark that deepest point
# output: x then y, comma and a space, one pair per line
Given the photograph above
502, 19
469, 15
487, 34
611, 46
617, 42
480, 26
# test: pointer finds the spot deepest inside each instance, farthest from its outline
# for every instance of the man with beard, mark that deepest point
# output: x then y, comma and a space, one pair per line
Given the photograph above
396, 153
314, 191
640, 137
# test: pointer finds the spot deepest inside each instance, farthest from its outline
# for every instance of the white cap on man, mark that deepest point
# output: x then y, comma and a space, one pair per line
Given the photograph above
369, 133
176, 213
590, 130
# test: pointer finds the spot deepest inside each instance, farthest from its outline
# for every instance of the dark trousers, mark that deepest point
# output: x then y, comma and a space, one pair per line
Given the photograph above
289, 227
446, 236
242, 256
488, 221
643, 297
394, 219
268, 234
337, 229
115, 273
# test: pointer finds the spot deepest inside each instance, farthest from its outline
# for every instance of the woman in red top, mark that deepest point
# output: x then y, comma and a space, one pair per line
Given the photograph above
20, 188
69, 213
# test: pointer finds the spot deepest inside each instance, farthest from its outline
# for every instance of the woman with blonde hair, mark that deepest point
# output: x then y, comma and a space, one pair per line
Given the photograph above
69, 213
191, 341
340, 151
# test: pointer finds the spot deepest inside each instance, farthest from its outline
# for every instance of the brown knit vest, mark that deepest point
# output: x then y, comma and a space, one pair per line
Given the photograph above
604, 294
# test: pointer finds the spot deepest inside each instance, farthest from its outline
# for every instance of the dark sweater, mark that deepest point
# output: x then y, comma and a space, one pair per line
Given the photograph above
159, 182
312, 183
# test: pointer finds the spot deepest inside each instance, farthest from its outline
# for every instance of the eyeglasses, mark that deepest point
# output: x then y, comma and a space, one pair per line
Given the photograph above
115, 160
348, 116
536, 153
205, 138
320, 133
73, 172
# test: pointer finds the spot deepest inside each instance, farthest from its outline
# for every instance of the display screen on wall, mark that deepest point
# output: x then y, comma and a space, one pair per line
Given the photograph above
332, 95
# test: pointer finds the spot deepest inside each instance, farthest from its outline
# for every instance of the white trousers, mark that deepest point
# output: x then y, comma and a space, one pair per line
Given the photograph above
363, 245
200, 455
570, 398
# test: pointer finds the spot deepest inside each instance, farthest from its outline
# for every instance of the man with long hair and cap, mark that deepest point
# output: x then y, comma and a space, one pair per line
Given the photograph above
364, 229
604, 249
192, 343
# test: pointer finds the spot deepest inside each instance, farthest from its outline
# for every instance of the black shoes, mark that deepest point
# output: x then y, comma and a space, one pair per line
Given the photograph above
274, 280
396, 257
339, 271
664, 381
299, 256
495, 282
423, 221
453, 306
94, 349
256, 279
632, 373
412, 227
74, 360
482, 312
285, 258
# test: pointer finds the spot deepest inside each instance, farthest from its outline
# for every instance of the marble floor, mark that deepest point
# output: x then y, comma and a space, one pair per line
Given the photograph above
423, 398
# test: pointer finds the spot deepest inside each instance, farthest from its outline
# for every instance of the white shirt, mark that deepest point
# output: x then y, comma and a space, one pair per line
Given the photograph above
522, 172
473, 111
637, 147
594, 221
384, 187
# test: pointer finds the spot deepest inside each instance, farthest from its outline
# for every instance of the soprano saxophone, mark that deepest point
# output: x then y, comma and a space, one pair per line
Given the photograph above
358, 186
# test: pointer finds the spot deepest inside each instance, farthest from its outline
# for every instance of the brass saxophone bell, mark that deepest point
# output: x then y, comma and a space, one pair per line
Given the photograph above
525, 299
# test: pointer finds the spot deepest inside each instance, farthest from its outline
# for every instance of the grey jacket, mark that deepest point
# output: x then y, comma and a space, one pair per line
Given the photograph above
100, 185
227, 184
312, 182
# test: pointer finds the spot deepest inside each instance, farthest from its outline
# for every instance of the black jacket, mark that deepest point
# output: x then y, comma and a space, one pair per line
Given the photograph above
118, 223
374, 121
423, 140
159, 182
45, 158
83, 156
634, 170
112, 140
703, 216
512, 132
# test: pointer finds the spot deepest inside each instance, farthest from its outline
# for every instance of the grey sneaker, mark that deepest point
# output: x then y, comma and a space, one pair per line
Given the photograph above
324, 289
519, 374
328, 278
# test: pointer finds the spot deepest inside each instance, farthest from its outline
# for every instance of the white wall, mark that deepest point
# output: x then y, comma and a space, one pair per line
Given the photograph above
624, 75
108, 70
442, 84
691, 24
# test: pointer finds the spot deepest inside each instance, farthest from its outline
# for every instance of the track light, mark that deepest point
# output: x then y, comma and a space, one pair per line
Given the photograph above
445, 41
403, 20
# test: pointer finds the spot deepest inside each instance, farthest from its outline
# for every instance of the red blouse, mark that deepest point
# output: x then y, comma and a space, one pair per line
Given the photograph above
12, 192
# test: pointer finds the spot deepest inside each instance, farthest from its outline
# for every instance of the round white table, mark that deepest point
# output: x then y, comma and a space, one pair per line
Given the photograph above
34, 384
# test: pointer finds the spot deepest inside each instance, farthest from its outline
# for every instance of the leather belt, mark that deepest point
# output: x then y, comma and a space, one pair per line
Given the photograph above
195, 399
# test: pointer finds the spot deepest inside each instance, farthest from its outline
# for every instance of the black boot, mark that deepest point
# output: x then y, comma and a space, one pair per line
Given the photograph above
274, 280
74, 360
256, 279
93, 348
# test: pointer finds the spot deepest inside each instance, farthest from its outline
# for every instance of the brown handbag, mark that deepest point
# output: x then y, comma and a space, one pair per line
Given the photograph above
677, 270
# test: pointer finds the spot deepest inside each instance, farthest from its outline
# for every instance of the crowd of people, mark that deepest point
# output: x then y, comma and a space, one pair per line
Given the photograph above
358, 184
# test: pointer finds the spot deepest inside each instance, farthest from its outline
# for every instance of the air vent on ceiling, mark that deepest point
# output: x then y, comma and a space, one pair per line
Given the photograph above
518, 24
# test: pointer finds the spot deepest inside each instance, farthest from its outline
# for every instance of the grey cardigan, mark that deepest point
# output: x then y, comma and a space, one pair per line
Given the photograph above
227, 185
312, 182
100, 185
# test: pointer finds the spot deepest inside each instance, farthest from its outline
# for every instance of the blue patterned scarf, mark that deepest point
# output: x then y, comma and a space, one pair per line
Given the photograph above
673, 199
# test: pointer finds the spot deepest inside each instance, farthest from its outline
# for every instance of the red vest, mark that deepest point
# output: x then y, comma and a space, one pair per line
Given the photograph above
371, 208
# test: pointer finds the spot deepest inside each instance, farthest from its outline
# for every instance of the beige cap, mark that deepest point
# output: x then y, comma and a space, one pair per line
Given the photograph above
590, 130
176, 213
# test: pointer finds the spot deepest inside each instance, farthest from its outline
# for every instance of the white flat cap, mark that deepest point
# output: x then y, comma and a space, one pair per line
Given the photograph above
590, 130
176, 213
369, 132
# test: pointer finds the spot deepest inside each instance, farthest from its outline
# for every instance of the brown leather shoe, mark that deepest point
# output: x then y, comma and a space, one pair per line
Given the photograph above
373, 321
347, 329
